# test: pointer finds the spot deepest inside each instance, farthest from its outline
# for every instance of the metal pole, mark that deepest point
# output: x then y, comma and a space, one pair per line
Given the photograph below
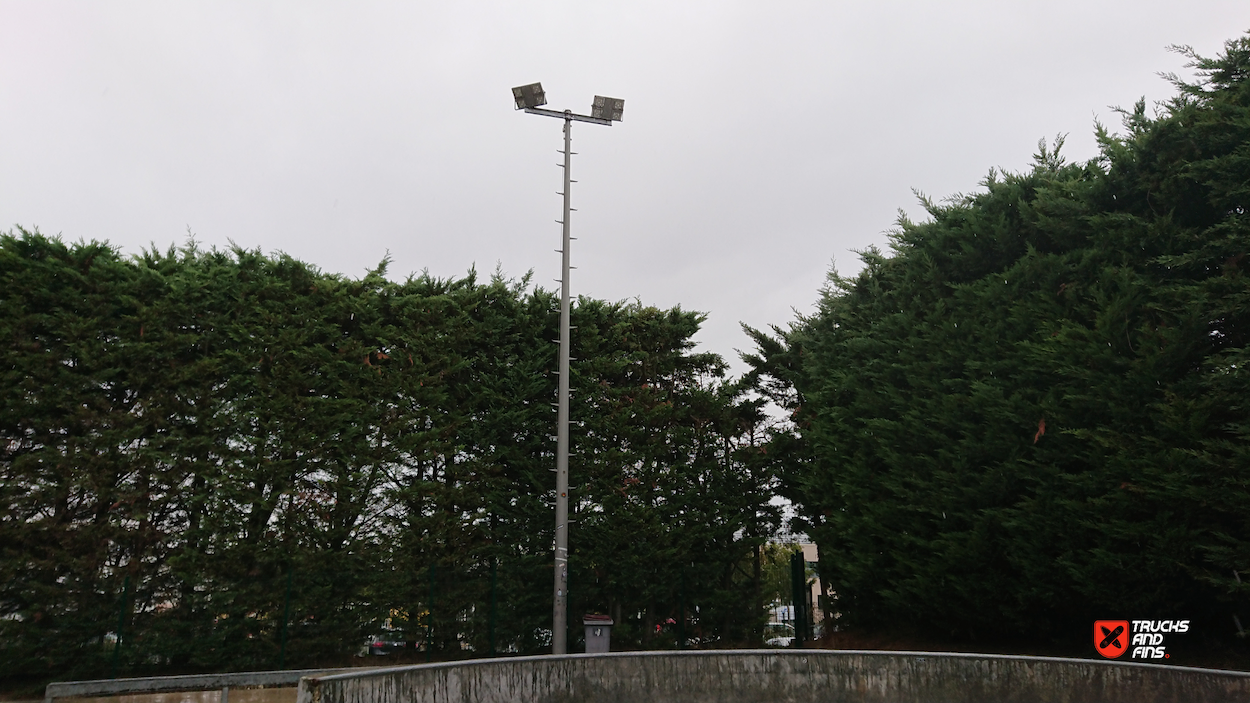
429, 620
559, 615
798, 582
681, 614
121, 621
494, 584
286, 618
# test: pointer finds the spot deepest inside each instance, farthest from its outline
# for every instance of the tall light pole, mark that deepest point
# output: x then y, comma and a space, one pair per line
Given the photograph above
603, 111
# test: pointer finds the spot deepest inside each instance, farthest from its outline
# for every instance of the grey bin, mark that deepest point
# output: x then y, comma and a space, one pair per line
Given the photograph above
598, 633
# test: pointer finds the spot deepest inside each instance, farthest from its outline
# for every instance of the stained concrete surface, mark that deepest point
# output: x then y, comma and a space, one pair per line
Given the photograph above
237, 695
799, 676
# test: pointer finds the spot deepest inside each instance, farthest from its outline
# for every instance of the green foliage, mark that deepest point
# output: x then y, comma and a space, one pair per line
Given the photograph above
208, 424
1031, 412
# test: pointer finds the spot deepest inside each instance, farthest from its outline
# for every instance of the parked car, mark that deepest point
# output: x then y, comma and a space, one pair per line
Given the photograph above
382, 645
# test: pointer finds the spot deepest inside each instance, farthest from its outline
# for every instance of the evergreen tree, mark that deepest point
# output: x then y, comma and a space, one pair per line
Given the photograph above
1030, 413
249, 462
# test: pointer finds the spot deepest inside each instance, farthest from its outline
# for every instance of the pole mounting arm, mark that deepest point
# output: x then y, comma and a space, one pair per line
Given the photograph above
568, 115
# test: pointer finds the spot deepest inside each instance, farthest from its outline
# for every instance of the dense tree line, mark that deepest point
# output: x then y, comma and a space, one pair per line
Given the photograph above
1032, 411
187, 437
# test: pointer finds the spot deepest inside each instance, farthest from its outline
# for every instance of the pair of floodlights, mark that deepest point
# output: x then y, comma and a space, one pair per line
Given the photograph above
602, 110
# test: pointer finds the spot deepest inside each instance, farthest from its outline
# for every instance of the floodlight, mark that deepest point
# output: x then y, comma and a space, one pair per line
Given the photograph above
607, 108
531, 95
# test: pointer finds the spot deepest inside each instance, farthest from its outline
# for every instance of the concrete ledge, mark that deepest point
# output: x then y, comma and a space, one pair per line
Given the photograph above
196, 682
794, 676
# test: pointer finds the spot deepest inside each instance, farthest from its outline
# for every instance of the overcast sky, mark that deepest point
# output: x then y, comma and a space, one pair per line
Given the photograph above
762, 141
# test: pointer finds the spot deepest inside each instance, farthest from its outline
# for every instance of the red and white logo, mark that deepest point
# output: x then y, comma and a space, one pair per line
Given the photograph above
1111, 637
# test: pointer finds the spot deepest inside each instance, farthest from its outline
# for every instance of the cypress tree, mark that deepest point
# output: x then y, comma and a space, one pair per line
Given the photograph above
1029, 413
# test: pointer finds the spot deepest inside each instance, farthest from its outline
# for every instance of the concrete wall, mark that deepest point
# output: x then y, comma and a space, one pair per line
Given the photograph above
218, 684
794, 676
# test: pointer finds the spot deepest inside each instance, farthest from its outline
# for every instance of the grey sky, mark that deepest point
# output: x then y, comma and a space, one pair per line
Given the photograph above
761, 141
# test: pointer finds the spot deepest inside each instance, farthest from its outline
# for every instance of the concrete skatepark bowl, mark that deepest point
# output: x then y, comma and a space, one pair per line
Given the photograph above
793, 676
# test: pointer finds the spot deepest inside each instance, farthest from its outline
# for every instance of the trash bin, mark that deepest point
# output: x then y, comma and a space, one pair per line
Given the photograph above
598, 633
